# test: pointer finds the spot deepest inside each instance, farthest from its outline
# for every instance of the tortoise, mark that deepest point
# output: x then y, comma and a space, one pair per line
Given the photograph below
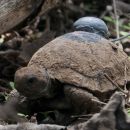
78, 67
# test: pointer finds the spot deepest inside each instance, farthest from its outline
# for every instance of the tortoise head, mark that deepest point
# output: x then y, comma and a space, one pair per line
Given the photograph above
93, 25
34, 82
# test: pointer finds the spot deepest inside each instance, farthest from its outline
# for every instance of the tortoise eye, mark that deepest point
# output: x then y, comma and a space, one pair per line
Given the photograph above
31, 80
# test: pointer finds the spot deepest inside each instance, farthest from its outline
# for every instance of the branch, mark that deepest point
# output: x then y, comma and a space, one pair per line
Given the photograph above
116, 18
32, 126
121, 38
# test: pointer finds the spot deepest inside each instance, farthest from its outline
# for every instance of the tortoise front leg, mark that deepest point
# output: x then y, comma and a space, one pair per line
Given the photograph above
81, 100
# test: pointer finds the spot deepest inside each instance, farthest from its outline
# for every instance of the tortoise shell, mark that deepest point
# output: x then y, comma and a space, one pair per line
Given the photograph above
85, 60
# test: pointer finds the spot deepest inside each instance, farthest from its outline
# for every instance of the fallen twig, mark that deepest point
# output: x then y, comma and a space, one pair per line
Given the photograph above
82, 116
125, 78
116, 18
121, 38
32, 126
102, 103
115, 84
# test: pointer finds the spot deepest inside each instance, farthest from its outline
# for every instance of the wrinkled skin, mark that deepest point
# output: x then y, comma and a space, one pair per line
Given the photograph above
35, 81
38, 84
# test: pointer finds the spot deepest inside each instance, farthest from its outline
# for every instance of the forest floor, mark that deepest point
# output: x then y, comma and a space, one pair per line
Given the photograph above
18, 45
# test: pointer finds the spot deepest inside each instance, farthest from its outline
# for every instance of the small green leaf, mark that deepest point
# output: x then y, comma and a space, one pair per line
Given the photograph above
124, 33
12, 85
126, 27
22, 115
45, 114
128, 111
109, 19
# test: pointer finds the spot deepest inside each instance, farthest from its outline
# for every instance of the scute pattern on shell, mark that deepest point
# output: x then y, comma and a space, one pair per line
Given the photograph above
82, 37
83, 64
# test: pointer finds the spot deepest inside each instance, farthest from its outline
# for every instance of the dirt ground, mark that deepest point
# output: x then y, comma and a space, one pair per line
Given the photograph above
19, 44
